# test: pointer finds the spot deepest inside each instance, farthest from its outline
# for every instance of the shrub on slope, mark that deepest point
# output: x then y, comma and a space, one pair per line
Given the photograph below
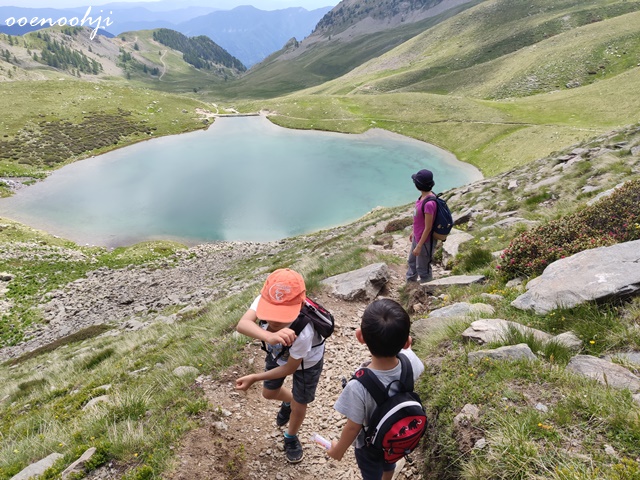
612, 220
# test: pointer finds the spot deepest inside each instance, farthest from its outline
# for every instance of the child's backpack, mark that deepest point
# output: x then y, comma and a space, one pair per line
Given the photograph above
443, 221
399, 421
314, 313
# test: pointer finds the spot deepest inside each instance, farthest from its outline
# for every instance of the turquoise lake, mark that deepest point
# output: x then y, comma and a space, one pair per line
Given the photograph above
242, 179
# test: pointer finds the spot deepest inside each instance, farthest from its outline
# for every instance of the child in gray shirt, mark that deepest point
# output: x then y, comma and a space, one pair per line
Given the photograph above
385, 330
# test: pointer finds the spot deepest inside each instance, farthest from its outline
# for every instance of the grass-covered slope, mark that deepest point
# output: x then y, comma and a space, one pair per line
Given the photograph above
135, 57
321, 58
504, 49
492, 135
57, 121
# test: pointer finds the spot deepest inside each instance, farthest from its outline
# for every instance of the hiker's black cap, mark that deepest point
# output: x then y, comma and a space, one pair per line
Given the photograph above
423, 179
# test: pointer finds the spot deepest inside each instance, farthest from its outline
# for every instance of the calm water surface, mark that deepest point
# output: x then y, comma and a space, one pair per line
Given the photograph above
242, 179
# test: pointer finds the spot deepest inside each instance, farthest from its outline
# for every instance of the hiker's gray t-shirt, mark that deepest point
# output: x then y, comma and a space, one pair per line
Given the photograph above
302, 347
358, 405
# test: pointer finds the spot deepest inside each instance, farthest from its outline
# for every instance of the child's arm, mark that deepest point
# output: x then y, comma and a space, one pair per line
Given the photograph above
348, 435
243, 383
248, 326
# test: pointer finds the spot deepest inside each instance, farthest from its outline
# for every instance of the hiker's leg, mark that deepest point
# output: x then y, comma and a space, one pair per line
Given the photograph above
412, 272
370, 463
298, 412
305, 383
423, 262
387, 475
272, 389
282, 394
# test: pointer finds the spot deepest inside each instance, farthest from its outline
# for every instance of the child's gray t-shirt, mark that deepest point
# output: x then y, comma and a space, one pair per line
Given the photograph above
358, 405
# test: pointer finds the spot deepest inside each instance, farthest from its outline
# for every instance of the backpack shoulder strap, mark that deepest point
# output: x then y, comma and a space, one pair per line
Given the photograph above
297, 326
430, 198
406, 374
373, 385
299, 323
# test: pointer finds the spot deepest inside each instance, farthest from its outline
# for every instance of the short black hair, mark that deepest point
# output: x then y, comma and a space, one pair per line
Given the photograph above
385, 327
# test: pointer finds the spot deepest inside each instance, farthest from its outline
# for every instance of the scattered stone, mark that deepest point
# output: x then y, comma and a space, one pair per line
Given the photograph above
133, 325
97, 400
492, 297
480, 444
462, 218
609, 450
469, 414
185, 371
513, 184
569, 340
511, 222
515, 282
6, 277
462, 309
78, 466
604, 194
606, 373
624, 357
38, 468
508, 353
362, 284
221, 426
595, 274
541, 407
489, 330
451, 247
459, 280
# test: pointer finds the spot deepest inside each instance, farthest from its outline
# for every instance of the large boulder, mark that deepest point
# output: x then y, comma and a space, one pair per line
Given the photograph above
449, 315
606, 373
594, 274
38, 468
508, 353
451, 247
362, 284
489, 330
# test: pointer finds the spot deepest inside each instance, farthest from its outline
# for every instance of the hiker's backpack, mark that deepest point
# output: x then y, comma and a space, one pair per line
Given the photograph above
443, 221
399, 421
314, 313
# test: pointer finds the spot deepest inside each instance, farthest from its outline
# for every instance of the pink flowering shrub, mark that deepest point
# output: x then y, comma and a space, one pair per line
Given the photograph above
612, 220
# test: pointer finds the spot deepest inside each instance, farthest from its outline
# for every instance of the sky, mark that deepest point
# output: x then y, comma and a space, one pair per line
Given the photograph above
222, 4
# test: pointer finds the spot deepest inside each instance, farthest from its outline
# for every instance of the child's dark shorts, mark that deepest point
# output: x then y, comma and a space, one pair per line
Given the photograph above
305, 381
372, 464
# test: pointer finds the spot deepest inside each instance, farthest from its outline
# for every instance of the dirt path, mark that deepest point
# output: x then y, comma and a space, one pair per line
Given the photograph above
239, 438
164, 65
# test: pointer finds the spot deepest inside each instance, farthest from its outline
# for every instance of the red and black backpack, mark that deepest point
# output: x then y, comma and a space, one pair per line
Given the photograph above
399, 421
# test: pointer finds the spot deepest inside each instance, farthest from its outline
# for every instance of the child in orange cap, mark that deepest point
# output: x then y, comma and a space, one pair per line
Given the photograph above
278, 305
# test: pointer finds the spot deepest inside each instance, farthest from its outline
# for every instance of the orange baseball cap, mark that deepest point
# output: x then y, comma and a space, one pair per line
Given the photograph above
282, 296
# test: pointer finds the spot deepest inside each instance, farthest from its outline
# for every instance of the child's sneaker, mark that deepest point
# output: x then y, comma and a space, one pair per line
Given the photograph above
293, 449
283, 415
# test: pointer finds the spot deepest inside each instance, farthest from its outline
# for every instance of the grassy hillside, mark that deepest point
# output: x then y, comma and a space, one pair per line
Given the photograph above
134, 57
503, 49
323, 59
56, 121
495, 136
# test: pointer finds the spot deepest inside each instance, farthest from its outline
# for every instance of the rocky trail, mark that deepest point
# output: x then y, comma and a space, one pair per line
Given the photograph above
238, 438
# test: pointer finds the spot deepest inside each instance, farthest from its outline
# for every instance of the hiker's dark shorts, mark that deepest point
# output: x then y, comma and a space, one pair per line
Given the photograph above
305, 381
372, 464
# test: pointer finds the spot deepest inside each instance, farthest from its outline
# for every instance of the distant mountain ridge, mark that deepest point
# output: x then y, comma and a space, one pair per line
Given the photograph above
246, 32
